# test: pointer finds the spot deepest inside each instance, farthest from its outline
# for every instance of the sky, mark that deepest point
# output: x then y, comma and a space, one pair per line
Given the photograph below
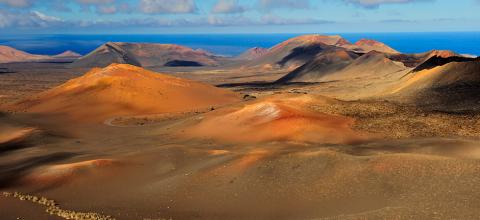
236, 16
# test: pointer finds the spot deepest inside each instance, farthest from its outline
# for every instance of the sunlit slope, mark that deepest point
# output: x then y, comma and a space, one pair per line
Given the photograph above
121, 89
143, 54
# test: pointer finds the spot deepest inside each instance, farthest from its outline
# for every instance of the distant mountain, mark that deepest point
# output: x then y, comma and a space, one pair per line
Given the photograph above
146, 55
341, 64
413, 60
325, 63
124, 90
10, 55
67, 54
253, 53
297, 51
335, 40
371, 45
300, 50
372, 64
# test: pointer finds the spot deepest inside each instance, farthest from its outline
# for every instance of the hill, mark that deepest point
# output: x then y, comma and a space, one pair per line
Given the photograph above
253, 53
371, 45
323, 64
344, 65
145, 55
297, 51
440, 61
372, 64
413, 60
68, 54
10, 55
452, 86
277, 118
300, 50
124, 90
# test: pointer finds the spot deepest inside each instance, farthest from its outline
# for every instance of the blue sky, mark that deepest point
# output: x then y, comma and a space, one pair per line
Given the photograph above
237, 16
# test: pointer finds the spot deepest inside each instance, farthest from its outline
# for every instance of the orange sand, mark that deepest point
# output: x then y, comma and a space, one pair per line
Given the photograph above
277, 118
62, 173
125, 90
8, 135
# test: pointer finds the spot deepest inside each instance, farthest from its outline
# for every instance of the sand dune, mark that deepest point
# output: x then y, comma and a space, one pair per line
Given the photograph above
277, 118
142, 54
119, 90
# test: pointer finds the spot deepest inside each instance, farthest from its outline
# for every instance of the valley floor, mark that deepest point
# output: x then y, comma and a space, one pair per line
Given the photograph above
416, 164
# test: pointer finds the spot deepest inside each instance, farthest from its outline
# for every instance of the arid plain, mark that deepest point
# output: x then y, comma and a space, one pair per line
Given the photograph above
315, 127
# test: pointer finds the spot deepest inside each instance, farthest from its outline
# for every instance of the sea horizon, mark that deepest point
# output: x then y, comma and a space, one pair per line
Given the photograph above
233, 44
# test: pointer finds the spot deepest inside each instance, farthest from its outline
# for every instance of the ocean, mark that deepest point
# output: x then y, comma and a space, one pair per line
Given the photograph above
234, 44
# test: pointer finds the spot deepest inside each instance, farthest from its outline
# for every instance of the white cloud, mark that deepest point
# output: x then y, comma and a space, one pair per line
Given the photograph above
210, 20
105, 6
295, 4
17, 3
377, 3
167, 6
277, 20
95, 2
32, 19
107, 9
44, 17
227, 7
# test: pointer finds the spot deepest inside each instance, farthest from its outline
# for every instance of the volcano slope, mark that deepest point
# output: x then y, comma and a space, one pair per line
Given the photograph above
325, 63
453, 87
367, 45
277, 118
298, 155
296, 51
122, 89
346, 75
144, 55
9, 55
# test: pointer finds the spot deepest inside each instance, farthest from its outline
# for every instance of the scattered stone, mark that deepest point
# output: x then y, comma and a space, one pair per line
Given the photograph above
53, 208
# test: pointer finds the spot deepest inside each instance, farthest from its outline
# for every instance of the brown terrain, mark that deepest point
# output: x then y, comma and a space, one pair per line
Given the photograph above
10, 55
312, 128
145, 55
253, 53
68, 54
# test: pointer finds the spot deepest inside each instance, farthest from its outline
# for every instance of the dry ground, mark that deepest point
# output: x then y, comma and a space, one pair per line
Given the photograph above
418, 164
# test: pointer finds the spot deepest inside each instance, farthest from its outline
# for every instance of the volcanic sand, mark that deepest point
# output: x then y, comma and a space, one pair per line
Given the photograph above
122, 89
425, 167
277, 118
